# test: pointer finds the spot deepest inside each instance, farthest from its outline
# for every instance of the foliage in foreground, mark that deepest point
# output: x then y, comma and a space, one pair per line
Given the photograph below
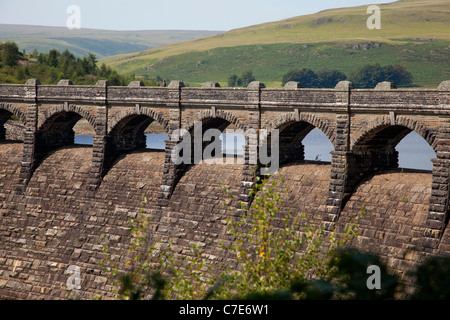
271, 249
279, 262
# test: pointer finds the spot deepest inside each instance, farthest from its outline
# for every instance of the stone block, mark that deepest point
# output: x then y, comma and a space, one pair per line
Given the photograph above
385, 85
211, 84
65, 82
256, 85
176, 84
138, 83
293, 85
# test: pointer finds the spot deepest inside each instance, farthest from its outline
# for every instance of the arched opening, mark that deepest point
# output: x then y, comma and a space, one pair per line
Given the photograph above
233, 142
11, 127
156, 136
414, 152
56, 132
11, 150
211, 141
128, 134
393, 146
217, 124
84, 133
212, 138
317, 146
132, 133
300, 140
386, 179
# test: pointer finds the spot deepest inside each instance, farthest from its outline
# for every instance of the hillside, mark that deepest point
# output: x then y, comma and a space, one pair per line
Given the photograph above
413, 32
99, 42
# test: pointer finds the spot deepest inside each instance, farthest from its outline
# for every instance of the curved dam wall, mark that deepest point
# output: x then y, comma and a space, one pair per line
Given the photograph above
56, 224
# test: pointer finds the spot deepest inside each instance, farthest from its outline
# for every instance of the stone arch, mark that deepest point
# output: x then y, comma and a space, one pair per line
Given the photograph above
374, 150
381, 123
6, 111
155, 116
292, 130
210, 119
289, 118
56, 130
15, 111
219, 114
219, 120
126, 132
57, 111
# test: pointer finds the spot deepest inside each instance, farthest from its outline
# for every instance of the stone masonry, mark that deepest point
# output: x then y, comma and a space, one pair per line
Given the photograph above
57, 199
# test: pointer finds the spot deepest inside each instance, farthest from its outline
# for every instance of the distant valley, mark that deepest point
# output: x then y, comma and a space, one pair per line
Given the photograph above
102, 43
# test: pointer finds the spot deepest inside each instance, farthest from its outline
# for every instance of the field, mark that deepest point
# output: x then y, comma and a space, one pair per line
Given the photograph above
428, 61
413, 32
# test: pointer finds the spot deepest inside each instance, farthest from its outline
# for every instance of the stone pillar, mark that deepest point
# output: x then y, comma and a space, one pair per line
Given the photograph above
339, 173
29, 143
249, 171
171, 171
29, 140
98, 150
251, 150
438, 211
438, 214
339, 158
99, 141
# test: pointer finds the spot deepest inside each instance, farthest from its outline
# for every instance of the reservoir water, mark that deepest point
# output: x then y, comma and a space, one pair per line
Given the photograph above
414, 151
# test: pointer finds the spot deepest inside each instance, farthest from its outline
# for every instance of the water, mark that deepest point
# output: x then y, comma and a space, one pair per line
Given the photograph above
232, 143
317, 146
156, 141
414, 151
84, 140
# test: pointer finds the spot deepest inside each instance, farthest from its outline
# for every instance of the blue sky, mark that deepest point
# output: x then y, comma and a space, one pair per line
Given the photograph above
159, 14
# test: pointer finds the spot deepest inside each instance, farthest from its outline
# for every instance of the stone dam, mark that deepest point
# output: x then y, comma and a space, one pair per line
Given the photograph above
57, 198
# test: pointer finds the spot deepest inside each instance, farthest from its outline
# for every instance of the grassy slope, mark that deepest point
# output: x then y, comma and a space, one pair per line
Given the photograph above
100, 42
324, 39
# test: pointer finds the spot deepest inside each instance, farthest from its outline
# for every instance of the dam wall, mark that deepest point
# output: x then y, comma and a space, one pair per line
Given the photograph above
55, 224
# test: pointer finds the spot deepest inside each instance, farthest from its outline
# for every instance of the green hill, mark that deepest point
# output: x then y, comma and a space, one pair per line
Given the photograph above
102, 43
413, 32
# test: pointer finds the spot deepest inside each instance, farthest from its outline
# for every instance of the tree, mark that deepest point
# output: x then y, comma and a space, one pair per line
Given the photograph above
232, 80
53, 56
433, 279
20, 73
10, 54
268, 245
398, 74
66, 57
242, 81
306, 77
247, 77
41, 58
92, 62
270, 249
369, 76
329, 78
